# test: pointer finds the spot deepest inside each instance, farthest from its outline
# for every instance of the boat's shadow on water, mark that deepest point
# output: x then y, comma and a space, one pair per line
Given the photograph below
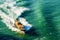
32, 32
9, 37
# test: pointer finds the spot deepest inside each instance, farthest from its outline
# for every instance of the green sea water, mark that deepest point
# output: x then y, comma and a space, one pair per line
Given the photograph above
44, 16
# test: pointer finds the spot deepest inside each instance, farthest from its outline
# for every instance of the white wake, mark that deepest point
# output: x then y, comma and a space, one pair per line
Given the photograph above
13, 13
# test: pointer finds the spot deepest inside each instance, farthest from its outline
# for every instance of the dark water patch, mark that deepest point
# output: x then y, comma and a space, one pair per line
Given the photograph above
9, 37
32, 32
26, 13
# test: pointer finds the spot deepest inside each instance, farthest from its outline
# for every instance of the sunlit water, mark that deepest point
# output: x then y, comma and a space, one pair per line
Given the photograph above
44, 16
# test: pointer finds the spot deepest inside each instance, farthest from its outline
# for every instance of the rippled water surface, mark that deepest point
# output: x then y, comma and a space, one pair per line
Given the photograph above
44, 16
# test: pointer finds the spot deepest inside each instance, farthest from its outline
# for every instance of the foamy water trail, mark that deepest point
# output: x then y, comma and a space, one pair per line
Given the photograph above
9, 22
14, 12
